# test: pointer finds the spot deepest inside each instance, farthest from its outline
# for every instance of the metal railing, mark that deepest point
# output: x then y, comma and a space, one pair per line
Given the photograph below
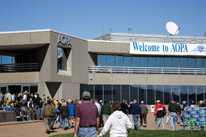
146, 70
23, 67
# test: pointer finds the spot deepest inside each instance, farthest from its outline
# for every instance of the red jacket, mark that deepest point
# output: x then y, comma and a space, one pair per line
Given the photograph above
159, 106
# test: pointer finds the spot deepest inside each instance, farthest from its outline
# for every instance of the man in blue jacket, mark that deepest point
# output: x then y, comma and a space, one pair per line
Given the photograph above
136, 110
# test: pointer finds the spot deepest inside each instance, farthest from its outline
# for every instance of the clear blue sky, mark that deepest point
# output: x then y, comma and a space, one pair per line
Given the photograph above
85, 18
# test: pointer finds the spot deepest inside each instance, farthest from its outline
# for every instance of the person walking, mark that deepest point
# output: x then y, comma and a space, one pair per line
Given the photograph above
173, 112
124, 107
40, 109
143, 115
117, 123
159, 113
48, 112
71, 113
64, 110
136, 110
106, 111
87, 118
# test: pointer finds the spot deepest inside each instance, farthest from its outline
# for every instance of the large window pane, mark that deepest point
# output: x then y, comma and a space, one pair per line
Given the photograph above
176, 62
118, 60
200, 93
183, 93
135, 61
160, 62
125, 92
204, 62
159, 93
142, 93
6, 60
102, 60
167, 94
168, 62
191, 62
99, 92
108, 93
90, 88
183, 62
199, 63
82, 89
134, 89
116, 93
127, 61
110, 60
143, 61
152, 62
151, 94
192, 94
175, 93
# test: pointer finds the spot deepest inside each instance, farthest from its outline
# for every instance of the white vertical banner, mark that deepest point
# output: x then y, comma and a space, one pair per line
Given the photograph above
149, 48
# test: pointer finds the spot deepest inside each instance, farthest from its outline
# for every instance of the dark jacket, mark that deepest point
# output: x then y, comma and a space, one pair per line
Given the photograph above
173, 107
136, 109
48, 111
64, 110
106, 109
124, 108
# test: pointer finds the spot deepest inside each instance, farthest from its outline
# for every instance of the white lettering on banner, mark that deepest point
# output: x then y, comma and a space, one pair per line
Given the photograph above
64, 40
167, 48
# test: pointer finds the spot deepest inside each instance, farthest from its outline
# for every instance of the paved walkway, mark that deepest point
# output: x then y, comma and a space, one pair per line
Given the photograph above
37, 129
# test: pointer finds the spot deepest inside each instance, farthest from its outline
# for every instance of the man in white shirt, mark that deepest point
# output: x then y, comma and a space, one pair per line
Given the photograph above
98, 106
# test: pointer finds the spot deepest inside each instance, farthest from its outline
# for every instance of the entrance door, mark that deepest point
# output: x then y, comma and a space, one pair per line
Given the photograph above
15, 89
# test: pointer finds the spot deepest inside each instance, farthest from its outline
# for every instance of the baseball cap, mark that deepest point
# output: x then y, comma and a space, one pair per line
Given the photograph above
86, 95
142, 102
158, 101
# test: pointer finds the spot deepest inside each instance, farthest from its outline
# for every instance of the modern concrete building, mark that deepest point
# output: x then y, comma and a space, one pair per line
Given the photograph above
114, 66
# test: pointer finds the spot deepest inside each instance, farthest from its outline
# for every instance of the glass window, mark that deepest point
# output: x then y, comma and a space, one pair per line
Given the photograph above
108, 93
168, 62
143, 61
151, 94
152, 61
204, 62
160, 62
134, 92
82, 89
191, 62
135, 61
175, 93
200, 93
142, 93
176, 62
199, 63
6, 60
99, 92
192, 94
125, 92
33, 89
183, 62
116, 92
127, 61
118, 60
183, 93
159, 93
90, 89
110, 60
102, 60
167, 94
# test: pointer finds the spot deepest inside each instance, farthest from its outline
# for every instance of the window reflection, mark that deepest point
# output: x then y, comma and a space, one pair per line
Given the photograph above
142, 93
151, 94
125, 92
134, 90
159, 93
200, 93
192, 94
183, 90
175, 93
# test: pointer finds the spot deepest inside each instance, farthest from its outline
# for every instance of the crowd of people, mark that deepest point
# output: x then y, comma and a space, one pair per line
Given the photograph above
89, 114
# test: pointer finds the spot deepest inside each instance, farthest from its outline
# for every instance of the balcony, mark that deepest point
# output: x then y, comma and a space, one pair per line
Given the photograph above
23, 67
146, 70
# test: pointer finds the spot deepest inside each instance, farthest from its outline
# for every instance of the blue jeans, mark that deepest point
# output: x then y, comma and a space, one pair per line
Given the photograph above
135, 117
40, 113
173, 120
52, 122
64, 123
158, 120
87, 132
60, 121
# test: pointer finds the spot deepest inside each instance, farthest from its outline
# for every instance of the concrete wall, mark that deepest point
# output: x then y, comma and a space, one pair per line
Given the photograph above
146, 79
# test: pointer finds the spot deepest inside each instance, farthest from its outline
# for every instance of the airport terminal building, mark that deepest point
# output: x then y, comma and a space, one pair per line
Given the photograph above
114, 66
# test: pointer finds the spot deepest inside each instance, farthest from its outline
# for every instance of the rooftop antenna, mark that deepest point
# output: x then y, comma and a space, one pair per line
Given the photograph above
129, 30
172, 28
